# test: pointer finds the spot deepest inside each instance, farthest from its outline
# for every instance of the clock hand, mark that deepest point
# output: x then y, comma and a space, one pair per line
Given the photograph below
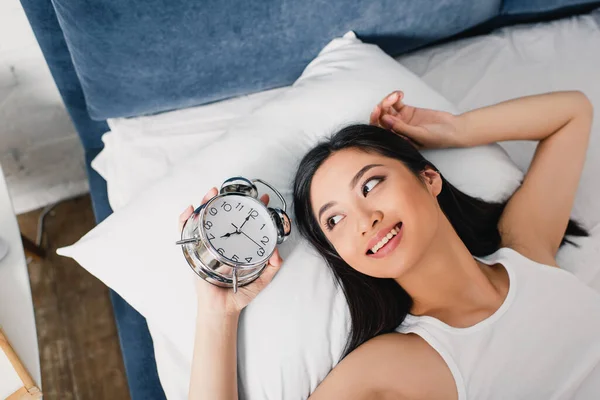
231, 233
251, 239
246, 220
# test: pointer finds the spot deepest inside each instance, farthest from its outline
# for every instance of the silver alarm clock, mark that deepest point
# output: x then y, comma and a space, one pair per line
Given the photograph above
228, 240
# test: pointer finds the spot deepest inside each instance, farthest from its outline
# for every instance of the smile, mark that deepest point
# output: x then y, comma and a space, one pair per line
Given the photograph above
387, 241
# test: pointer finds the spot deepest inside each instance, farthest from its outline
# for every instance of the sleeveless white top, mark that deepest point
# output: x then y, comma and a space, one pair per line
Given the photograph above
542, 343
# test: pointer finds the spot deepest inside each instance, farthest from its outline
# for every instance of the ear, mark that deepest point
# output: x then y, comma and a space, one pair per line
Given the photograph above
432, 180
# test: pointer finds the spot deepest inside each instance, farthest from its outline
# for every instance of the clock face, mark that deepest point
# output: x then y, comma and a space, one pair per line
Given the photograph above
240, 229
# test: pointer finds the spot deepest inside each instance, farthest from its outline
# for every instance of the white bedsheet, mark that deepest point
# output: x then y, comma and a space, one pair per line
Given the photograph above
511, 62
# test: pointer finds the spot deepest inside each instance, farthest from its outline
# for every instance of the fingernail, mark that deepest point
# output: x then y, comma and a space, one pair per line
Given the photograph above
393, 96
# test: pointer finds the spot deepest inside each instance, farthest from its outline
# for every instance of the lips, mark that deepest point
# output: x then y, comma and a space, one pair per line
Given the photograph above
385, 236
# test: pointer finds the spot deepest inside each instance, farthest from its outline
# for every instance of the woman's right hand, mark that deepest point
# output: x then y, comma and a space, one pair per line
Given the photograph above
423, 127
218, 300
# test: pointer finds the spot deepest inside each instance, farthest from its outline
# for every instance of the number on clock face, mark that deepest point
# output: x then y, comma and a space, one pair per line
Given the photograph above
240, 229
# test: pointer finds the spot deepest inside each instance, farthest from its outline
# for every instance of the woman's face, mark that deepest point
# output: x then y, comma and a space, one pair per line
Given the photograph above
377, 214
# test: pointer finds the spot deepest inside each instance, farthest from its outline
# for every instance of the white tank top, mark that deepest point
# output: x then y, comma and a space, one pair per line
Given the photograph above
542, 343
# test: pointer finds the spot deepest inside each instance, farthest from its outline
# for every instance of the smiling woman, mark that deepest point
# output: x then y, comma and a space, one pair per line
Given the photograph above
415, 255
379, 168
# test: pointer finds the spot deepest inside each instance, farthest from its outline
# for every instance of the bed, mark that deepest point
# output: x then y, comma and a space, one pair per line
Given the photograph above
114, 60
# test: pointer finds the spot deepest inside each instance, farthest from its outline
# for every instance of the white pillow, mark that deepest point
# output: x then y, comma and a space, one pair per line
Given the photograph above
293, 333
138, 151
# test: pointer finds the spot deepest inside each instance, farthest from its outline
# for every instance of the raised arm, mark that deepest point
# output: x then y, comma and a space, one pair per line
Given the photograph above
536, 216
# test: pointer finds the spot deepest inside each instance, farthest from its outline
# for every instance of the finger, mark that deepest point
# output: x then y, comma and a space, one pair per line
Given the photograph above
188, 211
386, 106
375, 114
185, 215
276, 259
380, 112
399, 104
390, 110
390, 99
211, 193
265, 199
273, 266
396, 124
380, 115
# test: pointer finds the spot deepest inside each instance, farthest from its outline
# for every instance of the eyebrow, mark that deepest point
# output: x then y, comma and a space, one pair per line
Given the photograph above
360, 173
325, 207
353, 183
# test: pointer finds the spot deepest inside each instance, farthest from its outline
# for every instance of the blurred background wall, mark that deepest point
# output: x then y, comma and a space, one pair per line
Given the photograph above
40, 153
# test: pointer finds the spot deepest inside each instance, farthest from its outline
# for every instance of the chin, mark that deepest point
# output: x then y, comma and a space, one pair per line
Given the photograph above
396, 270
406, 256
392, 267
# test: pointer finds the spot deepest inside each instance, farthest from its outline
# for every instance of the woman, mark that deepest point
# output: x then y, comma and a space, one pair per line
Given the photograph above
450, 297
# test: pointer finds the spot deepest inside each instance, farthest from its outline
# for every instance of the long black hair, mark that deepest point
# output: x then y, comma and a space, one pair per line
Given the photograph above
379, 305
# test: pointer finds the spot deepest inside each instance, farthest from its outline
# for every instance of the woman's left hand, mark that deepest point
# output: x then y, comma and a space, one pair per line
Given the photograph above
223, 301
423, 127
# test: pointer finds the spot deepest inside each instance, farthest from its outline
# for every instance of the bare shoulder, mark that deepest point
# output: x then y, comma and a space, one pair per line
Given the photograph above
394, 366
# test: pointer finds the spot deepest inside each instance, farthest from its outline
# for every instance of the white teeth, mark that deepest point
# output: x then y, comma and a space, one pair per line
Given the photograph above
384, 240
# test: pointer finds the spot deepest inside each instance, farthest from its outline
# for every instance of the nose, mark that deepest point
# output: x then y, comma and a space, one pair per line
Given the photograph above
368, 221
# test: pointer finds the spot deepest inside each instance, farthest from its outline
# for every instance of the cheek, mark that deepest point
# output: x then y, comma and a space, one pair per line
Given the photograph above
352, 253
342, 241
421, 223
345, 242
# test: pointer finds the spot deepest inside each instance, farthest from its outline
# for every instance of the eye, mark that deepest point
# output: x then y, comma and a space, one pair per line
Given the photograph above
370, 184
332, 221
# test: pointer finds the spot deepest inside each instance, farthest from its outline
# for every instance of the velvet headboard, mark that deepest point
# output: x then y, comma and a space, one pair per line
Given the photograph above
115, 58
143, 57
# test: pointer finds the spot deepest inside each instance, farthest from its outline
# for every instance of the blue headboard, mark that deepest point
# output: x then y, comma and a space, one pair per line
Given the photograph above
117, 58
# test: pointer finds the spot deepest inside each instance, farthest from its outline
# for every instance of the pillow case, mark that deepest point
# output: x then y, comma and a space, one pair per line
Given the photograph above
138, 151
294, 332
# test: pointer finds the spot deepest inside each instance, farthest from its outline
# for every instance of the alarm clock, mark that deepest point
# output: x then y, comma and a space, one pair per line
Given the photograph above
228, 240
